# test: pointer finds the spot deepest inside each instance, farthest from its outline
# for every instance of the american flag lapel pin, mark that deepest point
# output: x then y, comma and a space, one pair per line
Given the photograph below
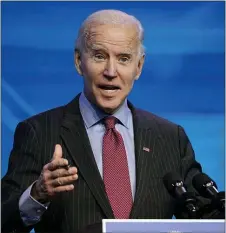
146, 149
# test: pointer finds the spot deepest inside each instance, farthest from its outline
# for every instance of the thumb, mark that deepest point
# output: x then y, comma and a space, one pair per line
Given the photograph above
58, 153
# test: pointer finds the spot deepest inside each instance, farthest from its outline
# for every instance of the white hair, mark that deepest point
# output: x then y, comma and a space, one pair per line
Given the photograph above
113, 17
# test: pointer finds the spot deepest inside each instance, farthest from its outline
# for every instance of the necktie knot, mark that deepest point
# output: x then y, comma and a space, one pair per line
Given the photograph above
110, 122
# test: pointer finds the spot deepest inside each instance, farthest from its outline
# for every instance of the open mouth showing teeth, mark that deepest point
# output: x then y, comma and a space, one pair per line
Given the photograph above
109, 87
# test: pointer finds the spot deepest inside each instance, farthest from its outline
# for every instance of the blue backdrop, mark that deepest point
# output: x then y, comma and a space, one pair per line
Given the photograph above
182, 80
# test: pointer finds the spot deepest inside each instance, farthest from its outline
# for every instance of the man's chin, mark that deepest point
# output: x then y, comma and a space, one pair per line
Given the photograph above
109, 108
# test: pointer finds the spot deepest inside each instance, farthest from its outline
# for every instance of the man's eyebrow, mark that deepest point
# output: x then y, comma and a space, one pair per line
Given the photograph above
100, 48
96, 47
126, 54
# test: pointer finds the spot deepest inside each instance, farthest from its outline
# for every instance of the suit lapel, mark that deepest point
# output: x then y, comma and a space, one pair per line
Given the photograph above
76, 141
145, 141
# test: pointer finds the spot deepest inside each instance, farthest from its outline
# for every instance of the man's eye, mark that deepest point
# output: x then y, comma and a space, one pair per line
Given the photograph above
123, 59
99, 57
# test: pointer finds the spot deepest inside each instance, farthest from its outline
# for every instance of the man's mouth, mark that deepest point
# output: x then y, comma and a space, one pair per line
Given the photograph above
109, 87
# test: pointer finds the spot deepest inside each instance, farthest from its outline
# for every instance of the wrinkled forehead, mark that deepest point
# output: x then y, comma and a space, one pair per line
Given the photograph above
123, 38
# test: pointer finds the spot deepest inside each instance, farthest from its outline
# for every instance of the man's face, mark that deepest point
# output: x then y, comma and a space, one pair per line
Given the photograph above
109, 63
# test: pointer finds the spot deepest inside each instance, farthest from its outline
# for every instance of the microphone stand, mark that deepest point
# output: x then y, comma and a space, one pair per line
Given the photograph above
215, 209
217, 206
188, 205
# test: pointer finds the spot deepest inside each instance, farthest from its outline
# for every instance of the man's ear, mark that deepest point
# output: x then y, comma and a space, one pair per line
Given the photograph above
77, 60
140, 66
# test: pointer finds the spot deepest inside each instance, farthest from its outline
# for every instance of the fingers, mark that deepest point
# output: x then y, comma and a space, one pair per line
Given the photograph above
64, 188
57, 163
58, 152
62, 181
47, 186
61, 172
57, 160
56, 176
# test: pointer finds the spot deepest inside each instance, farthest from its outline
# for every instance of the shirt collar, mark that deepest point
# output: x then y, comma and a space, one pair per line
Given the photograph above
92, 114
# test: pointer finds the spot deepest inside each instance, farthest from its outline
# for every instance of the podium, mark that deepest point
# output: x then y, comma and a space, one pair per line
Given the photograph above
163, 226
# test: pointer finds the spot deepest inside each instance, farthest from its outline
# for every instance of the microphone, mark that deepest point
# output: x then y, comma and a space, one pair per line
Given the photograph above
186, 200
208, 189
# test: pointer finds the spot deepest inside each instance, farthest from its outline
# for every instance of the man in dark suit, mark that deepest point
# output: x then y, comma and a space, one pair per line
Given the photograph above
98, 156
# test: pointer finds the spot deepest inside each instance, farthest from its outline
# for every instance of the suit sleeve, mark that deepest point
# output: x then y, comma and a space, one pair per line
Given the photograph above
31, 210
24, 168
189, 168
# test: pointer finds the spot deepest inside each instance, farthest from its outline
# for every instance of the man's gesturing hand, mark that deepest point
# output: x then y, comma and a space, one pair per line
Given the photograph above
55, 177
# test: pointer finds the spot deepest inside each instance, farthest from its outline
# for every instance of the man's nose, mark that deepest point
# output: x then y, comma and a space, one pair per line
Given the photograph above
110, 70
